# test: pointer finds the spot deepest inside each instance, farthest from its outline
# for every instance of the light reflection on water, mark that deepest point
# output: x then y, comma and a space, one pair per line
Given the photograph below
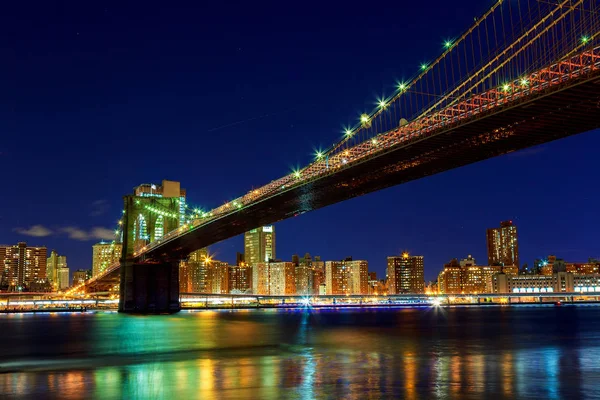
511, 352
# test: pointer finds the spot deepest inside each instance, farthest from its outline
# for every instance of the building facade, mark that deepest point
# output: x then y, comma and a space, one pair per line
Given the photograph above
240, 279
259, 245
405, 274
80, 276
559, 282
63, 278
53, 264
502, 245
105, 254
349, 277
282, 278
22, 265
218, 277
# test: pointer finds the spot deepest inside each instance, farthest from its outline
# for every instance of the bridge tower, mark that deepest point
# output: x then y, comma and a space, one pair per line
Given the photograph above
150, 286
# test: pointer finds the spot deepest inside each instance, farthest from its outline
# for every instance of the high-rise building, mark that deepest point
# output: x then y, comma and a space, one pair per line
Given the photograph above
22, 265
218, 277
53, 264
80, 276
196, 271
304, 275
104, 255
260, 278
240, 279
449, 279
259, 245
282, 278
405, 274
502, 245
63, 278
347, 277
318, 268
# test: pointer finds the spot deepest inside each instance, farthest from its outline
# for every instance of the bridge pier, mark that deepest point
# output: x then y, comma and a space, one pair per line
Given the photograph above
149, 288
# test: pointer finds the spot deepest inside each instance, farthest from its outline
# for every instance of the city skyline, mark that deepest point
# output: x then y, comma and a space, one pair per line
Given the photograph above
438, 217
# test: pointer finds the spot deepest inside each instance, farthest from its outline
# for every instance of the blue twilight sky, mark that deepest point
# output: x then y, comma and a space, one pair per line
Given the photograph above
97, 97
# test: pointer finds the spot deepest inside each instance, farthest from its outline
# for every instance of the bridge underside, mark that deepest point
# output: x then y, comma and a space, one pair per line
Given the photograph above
557, 113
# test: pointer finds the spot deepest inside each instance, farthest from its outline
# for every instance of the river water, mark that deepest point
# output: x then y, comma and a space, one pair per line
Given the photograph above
538, 352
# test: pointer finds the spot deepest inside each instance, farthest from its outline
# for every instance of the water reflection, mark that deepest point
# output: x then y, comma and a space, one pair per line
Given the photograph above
460, 353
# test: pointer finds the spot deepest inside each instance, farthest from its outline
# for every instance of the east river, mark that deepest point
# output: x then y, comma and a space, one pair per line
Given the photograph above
537, 352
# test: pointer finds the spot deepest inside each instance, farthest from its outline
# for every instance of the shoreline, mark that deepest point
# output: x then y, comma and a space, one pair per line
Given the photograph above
316, 307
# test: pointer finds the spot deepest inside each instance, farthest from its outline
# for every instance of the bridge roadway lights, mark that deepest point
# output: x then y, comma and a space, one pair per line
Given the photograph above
149, 288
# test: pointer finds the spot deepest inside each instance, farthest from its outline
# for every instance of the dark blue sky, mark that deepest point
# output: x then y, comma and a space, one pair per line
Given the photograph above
98, 97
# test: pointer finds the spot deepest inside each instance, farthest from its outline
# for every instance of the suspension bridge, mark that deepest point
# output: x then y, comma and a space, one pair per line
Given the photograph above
525, 73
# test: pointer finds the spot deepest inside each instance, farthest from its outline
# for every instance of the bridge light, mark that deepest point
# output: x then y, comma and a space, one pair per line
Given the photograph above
585, 39
448, 44
116, 232
374, 141
297, 174
120, 222
402, 87
423, 67
364, 118
348, 132
382, 104
123, 211
506, 87
524, 82
319, 154
256, 192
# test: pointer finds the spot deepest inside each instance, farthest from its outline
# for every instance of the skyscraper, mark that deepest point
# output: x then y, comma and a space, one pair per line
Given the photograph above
104, 255
22, 265
259, 245
63, 278
53, 265
405, 274
503, 248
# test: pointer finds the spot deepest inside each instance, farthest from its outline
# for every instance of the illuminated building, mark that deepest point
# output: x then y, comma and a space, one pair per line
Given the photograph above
240, 279
260, 278
502, 245
259, 245
559, 282
80, 276
196, 272
405, 274
282, 278
22, 265
347, 277
239, 258
185, 283
449, 279
588, 268
104, 255
304, 274
63, 278
467, 277
53, 264
318, 268
218, 277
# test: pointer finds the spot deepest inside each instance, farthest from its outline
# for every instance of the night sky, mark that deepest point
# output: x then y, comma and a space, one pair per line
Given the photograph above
98, 97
